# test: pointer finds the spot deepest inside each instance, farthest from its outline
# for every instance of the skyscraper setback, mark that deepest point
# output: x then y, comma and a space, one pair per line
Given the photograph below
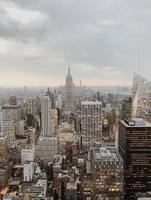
69, 104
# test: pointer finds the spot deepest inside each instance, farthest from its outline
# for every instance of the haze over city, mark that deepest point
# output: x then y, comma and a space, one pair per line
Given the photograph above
75, 100
104, 41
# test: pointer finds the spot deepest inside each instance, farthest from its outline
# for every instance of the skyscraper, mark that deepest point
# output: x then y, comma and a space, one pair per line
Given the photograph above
107, 173
46, 116
46, 147
139, 83
135, 149
69, 104
91, 117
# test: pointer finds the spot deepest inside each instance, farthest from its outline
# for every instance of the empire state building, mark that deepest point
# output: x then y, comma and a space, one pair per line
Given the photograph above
69, 104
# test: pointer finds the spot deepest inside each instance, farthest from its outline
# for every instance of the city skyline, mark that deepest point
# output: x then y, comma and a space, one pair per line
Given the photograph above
105, 41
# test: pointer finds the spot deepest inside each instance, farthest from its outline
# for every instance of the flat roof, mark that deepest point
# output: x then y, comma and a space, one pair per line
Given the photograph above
41, 183
10, 106
15, 183
41, 138
105, 154
136, 122
91, 103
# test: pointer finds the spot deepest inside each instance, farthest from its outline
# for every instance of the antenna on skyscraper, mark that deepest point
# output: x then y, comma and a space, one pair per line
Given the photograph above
69, 68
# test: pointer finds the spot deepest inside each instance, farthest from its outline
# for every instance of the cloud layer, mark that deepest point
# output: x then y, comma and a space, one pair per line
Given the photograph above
104, 41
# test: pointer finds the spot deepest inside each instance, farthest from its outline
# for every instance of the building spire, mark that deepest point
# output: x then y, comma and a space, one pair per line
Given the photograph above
69, 69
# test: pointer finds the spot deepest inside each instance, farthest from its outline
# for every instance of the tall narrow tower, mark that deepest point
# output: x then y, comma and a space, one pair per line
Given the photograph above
46, 116
69, 104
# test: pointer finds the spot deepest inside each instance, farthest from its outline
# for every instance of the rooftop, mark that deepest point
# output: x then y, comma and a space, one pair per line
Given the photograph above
10, 106
41, 183
105, 154
51, 138
136, 122
58, 160
71, 186
91, 103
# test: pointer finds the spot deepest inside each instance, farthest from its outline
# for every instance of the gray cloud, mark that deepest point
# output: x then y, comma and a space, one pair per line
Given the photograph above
101, 39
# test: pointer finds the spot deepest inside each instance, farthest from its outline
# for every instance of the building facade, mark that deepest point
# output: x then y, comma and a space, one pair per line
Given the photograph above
107, 174
135, 149
91, 120
46, 116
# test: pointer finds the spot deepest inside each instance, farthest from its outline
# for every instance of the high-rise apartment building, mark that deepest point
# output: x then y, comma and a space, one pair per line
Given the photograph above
107, 174
135, 149
69, 104
91, 120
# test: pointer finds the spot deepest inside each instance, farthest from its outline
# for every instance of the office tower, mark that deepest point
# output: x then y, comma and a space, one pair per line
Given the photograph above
46, 147
12, 117
98, 96
135, 149
127, 108
29, 106
46, 117
27, 154
3, 150
13, 100
30, 112
54, 119
8, 127
110, 99
52, 96
9, 130
28, 171
13, 111
4, 168
71, 191
139, 83
91, 116
1, 124
107, 173
59, 100
57, 167
69, 104
87, 186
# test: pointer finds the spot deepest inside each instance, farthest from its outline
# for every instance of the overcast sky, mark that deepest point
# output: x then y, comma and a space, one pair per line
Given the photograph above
104, 41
